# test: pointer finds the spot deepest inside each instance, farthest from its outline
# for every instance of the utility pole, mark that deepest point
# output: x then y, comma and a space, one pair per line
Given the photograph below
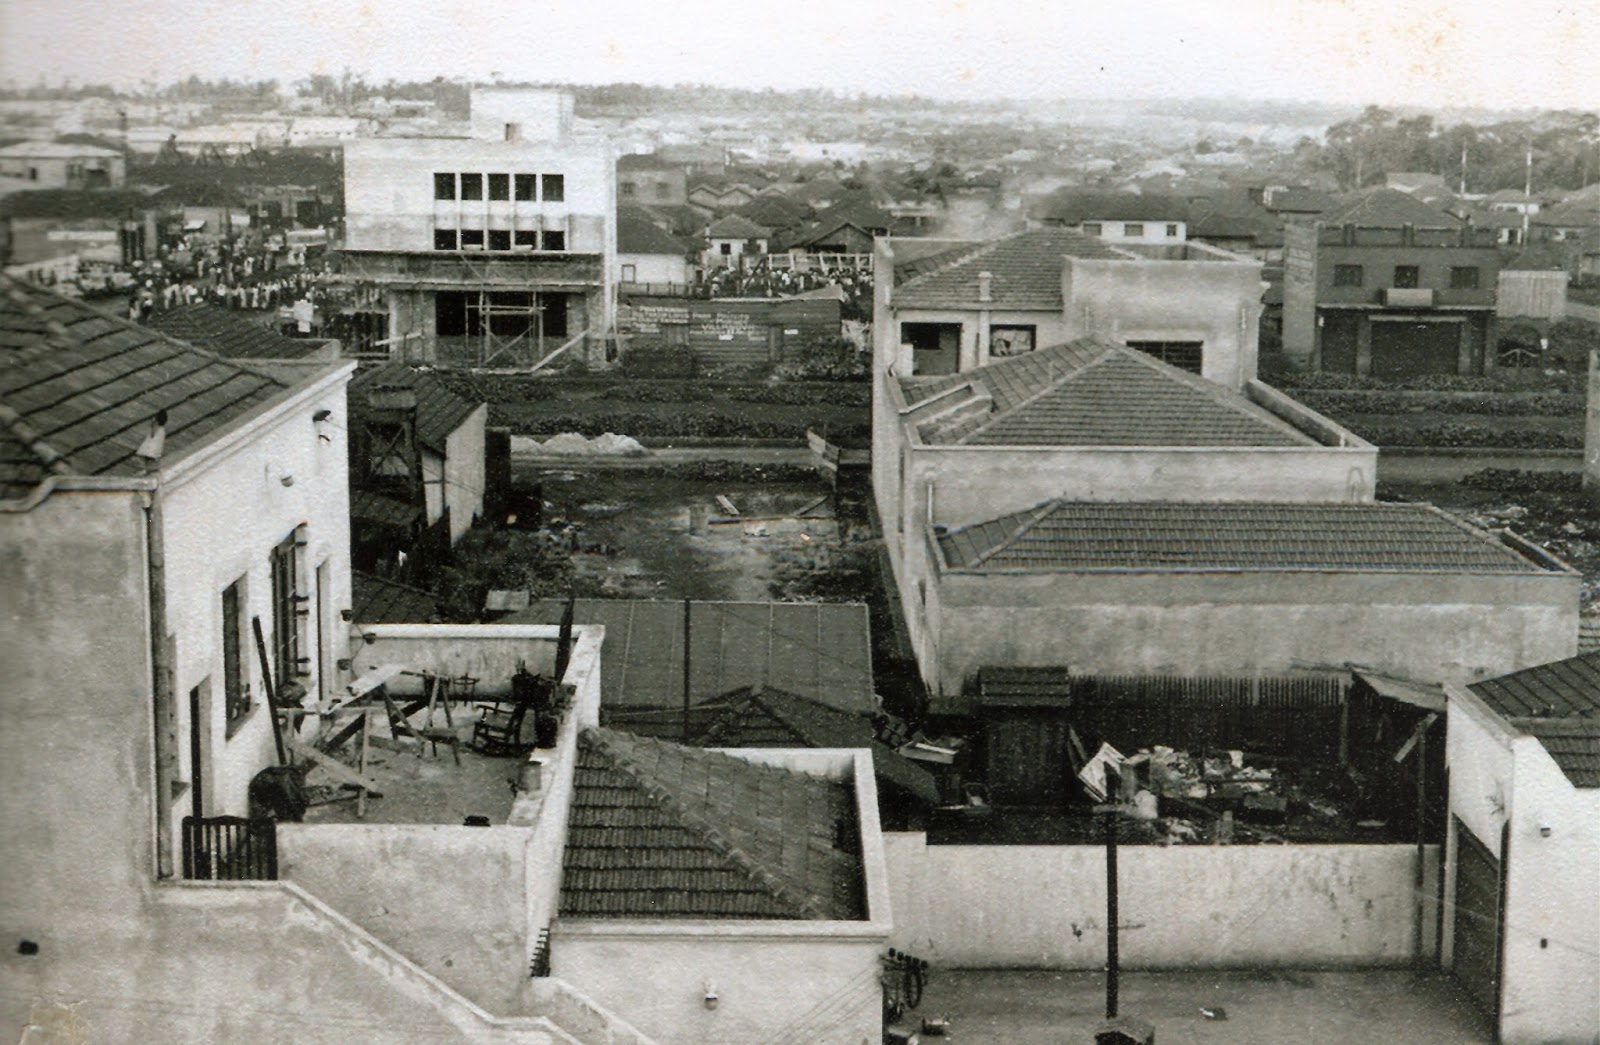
1108, 819
1527, 194
686, 605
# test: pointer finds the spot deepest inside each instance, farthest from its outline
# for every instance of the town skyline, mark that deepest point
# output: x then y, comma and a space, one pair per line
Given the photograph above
1413, 52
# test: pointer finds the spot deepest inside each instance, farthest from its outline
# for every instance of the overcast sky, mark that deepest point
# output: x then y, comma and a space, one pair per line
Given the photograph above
1497, 53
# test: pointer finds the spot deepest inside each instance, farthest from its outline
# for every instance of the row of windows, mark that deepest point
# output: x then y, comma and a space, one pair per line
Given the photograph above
630, 190
499, 239
1462, 277
448, 185
1129, 228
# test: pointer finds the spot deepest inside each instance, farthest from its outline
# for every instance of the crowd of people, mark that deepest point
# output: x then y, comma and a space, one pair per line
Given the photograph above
762, 280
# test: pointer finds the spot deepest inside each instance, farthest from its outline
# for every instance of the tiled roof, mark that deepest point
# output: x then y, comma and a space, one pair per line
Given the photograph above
1387, 209
818, 650
1561, 689
378, 600
220, 331
734, 226
1094, 393
1025, 270
775, 212
371, 507
660, 830
82, 388
1569, 215
760, 716
1086, 536
637, 234
439, 410
1574, 745
1301, 201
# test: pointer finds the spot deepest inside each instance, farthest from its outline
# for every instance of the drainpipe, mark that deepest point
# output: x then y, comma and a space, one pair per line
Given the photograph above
165, 733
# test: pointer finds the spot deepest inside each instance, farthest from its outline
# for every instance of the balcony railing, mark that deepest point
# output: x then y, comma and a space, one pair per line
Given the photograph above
229, 848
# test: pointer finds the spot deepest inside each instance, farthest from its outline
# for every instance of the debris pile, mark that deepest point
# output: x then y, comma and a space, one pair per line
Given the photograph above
571, 444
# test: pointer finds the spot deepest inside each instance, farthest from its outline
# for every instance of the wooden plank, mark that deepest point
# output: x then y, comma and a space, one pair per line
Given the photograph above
361, 770
371, 680
336, 769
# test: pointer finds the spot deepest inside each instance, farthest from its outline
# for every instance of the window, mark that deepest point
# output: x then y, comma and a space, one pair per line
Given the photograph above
725, 248
1347, 275
472, 186
663, 190
499, 186
553, 187
1172, 231
1185, 355
526, 239
1092, 228
235, 690
553, 240
1133, 228
526, 186
513, 132
628, 189
471, 239
630, 273
444, 239
288, 606
499, 239
1463, 277
1405, 276
444, 186
1010, 340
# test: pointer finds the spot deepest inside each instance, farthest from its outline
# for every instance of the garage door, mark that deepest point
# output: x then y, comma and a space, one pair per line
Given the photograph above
1403, 348
1476, 959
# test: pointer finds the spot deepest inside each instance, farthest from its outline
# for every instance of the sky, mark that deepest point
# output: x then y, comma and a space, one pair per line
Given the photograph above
1490, 53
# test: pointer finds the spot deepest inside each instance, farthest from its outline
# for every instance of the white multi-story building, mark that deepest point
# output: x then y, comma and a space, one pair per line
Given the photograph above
493, 248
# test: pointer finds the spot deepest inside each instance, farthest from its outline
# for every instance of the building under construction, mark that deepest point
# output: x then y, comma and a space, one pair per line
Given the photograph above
490, 249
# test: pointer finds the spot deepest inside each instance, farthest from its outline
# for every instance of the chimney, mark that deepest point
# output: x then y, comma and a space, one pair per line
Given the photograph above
985, 286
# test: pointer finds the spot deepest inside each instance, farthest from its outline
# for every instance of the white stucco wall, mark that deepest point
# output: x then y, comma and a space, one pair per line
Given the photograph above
1551, 973
1187, 906
653, 268
464, 461
225, 507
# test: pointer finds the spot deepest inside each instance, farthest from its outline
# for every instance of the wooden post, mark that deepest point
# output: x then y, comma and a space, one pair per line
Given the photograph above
272, 692
1112, 958
361, 763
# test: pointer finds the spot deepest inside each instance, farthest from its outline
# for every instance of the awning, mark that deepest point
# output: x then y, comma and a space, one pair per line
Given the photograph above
1417, 694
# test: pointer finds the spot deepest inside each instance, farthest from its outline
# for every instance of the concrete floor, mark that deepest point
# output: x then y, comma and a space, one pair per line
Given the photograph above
1034, 1007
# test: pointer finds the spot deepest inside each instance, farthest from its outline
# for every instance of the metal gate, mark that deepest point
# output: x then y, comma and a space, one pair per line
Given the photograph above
1479, 924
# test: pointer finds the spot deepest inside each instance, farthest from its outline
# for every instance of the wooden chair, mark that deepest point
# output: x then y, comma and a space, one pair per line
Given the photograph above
498, 730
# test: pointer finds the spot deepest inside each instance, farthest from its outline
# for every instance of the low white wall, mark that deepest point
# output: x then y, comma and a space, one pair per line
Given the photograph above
490, 653
1180, 906
449, 898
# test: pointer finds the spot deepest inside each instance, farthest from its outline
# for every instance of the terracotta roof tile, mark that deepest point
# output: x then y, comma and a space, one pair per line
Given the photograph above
87, 386
220, 331
1087, 536
1025, 270
659, 830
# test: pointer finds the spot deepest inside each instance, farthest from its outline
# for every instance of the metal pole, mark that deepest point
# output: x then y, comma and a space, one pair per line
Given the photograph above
1110, 816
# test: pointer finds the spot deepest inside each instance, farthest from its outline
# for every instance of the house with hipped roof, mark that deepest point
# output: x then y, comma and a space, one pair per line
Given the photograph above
993, 471
1522, 852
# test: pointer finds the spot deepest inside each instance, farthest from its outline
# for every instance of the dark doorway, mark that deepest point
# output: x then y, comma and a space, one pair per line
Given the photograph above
1478, 922
1340, 335
936, 347
1407, 348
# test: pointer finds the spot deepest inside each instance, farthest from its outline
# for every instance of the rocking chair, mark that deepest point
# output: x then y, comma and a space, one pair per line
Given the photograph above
498, 730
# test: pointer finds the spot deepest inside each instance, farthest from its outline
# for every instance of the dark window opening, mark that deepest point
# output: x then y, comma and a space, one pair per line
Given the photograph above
1010, 340
663, 190
1133, 228
499, 239
471, 239
628, 189
444, 186
1464, 277
1172, 230
235, 691
1406, 276
1347, 275
1185, 355
936, 347
444, 239
553, 187
288, 605
1092, 228
526, 238
526, 186
472, 186
499, 186
725, 248
553, 240
450, 313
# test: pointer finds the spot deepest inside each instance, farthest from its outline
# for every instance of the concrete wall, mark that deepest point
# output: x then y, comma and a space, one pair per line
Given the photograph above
389, 191
464, 463
1552, 916
1217, 302
1422, 625
488, 652
1180, 906
449, 898
653, 268
225, 508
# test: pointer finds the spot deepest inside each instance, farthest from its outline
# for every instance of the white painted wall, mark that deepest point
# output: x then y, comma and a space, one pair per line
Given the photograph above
1551, 987
225, 507
1196, 906
653, 268
464, 463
